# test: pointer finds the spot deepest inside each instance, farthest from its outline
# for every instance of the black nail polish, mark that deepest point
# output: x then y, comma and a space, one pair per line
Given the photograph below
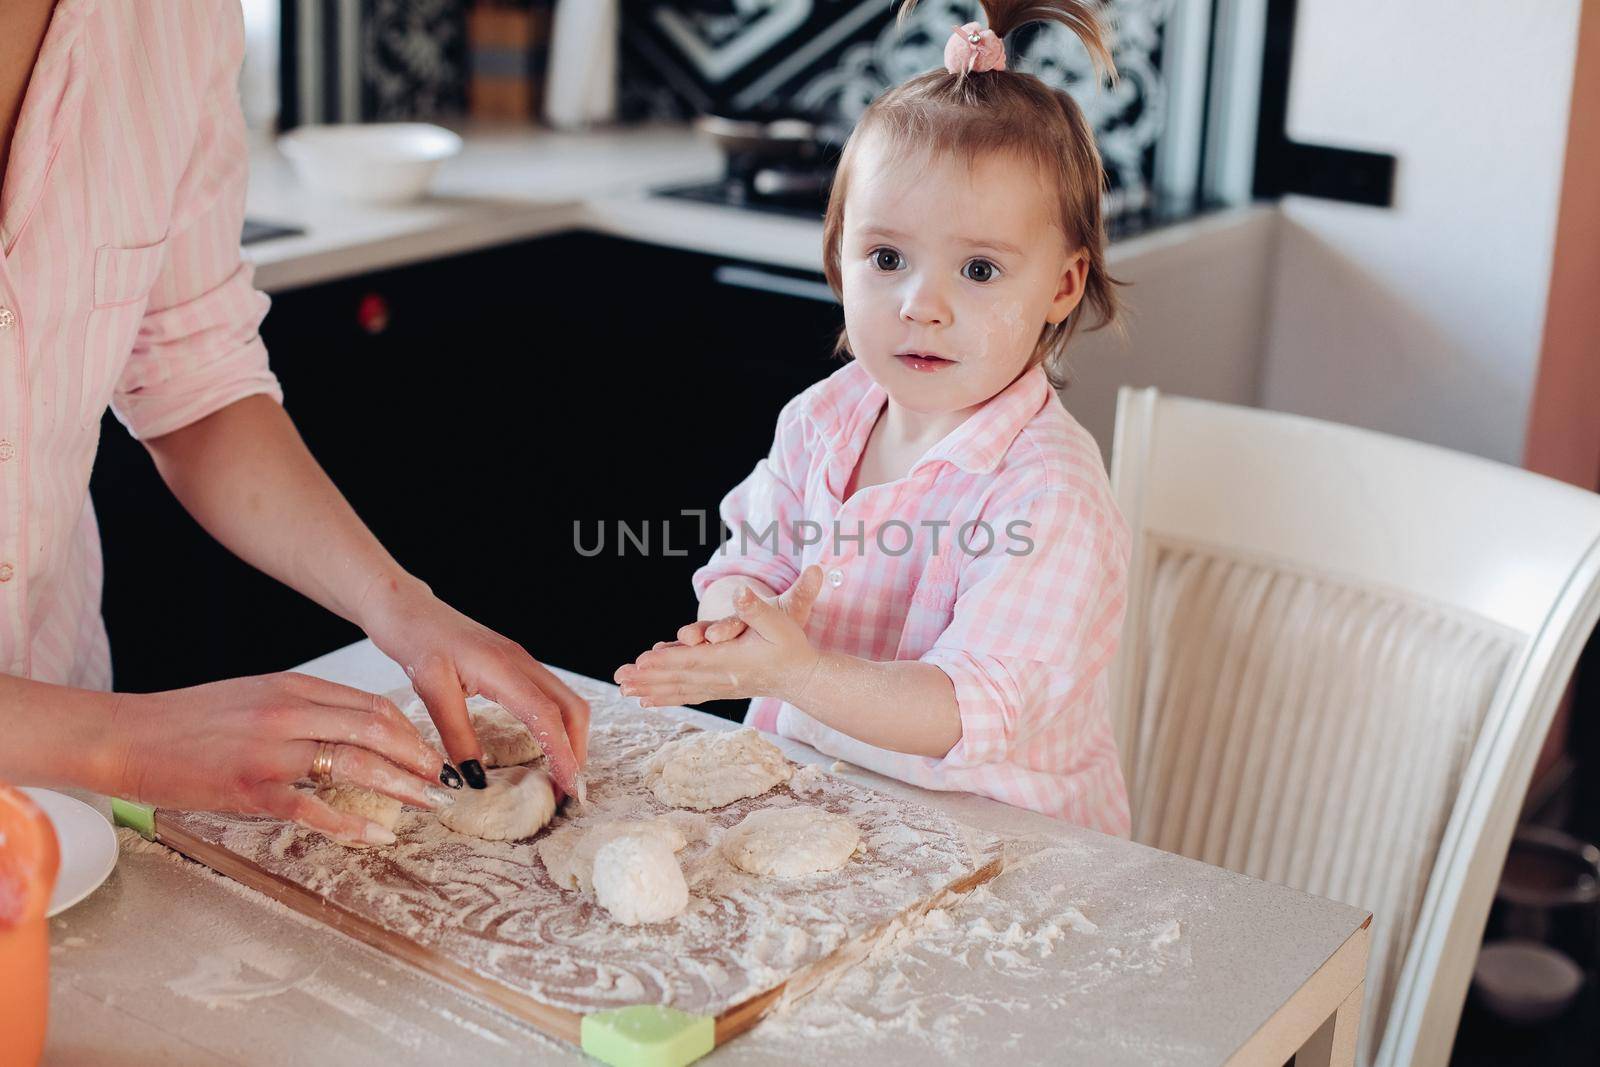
450, 777
472, 771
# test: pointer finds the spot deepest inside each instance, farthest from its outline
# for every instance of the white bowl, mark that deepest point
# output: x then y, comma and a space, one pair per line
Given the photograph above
374, 162
1526, 981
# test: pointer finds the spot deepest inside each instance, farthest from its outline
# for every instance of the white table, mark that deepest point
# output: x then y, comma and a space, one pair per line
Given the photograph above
1121, 954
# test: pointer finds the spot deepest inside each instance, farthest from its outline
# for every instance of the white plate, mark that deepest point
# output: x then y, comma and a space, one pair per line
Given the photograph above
88, 846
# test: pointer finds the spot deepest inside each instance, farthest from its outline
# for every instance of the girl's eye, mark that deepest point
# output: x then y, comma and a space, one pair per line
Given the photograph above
886, 259
980, 270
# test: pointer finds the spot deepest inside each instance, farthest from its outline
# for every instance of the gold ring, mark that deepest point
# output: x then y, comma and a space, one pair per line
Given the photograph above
322, 766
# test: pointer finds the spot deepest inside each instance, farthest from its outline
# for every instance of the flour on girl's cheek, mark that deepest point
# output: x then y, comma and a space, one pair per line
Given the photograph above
1007, 336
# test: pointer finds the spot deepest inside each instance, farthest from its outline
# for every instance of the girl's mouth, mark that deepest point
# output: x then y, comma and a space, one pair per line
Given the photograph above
923, 361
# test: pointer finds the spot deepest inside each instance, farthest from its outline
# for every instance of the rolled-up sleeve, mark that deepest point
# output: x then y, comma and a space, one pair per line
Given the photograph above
199, 348
1036, 620
762, 511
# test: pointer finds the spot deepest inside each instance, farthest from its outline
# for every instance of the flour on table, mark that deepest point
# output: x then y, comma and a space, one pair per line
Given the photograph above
713, 769
363, 803
517, 803
569, 853
638, 880
790, 842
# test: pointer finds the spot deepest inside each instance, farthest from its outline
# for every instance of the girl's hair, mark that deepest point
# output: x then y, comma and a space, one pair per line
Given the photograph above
973, 115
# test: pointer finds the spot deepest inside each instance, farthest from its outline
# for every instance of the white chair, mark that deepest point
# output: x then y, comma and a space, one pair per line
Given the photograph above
1341, 655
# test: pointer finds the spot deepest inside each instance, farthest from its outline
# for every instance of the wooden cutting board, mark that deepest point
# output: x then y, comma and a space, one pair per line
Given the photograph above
485, 916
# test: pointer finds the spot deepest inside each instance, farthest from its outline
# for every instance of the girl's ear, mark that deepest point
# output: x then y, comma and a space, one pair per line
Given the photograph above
1069, 290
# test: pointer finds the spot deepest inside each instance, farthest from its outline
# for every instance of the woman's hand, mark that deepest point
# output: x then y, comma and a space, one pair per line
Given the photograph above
448, 658
240, 745
772, 657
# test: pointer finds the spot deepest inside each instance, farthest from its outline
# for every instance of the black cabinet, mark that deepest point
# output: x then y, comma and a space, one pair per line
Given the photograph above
486, 415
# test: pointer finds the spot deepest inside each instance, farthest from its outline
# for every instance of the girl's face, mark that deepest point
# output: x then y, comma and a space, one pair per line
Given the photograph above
950, 273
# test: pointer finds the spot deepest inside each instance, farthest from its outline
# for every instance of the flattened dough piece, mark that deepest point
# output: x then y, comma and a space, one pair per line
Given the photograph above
506, 742
638, 880
790, 842
713, 769
569, 853
354, 800
517, 803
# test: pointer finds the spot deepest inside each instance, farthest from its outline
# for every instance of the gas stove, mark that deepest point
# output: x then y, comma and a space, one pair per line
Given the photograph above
786, 166
806, 199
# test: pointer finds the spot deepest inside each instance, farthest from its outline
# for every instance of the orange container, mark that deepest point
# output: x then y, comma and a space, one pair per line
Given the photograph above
28, 861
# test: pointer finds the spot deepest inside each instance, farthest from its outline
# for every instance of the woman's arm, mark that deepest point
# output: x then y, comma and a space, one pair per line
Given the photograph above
238, 745
246, 476
58, 737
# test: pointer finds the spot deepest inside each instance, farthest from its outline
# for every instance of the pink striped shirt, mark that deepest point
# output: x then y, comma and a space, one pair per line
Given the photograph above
937, 567
121, 283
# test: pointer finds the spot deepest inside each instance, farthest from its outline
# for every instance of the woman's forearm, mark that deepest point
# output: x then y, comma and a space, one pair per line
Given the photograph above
60, 737
904, 706
247, 477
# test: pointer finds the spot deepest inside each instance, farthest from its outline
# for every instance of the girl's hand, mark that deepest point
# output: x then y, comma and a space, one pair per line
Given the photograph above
239, 745
448, 658
772, 657
713, 632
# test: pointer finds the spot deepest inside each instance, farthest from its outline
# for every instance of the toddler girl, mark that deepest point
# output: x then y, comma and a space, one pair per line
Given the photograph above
927, 574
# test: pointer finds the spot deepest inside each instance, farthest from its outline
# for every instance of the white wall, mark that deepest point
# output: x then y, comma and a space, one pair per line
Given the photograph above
1424, 319
1194, 303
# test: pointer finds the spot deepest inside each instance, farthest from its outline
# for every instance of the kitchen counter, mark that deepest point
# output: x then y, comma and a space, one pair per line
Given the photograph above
1087, 949
510, 184
513, 183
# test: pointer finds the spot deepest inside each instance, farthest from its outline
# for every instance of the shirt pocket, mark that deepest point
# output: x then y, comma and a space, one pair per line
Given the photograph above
933, 605
123, 278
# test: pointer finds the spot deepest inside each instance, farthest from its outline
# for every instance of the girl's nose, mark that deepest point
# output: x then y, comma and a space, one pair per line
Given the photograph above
925, 305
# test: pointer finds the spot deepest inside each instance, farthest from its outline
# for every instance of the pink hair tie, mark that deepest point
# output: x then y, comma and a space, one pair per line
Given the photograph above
972, 49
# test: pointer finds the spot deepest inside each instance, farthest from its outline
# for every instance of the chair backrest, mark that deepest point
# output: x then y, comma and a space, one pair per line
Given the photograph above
1341, 655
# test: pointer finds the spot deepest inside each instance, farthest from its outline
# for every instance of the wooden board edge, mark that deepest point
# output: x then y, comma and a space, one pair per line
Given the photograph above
741, 1017
556, 1022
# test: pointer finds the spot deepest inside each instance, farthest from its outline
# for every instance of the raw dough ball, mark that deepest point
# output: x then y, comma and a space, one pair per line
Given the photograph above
638, 880
713, 769
789, 842
354, 800
506, 742
516, 804
569, 853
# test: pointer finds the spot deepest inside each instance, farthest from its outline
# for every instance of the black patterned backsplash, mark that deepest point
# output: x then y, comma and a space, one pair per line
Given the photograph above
372, 60
828, 59
413, 59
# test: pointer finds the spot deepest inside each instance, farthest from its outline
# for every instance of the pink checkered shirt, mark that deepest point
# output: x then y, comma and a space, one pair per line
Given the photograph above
121, 283
1025, 634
